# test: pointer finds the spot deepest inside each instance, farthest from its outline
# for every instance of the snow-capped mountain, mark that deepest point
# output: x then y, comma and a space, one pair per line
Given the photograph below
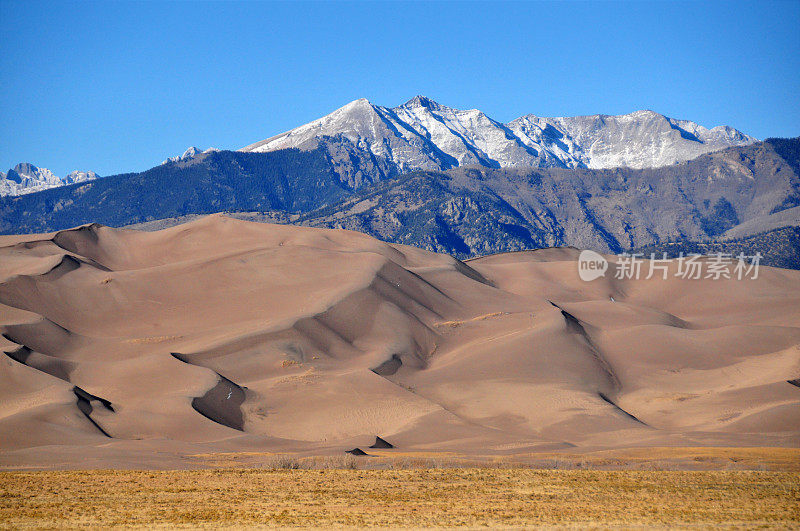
79, 177
25, 178
422, 134
190, 153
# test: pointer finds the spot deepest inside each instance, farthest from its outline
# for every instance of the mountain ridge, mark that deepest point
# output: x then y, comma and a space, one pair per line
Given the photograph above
422, 134
466, 211
25, 178
369, 143
190, 152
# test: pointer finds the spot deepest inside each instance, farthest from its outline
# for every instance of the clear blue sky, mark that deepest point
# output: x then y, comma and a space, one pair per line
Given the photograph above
119, 86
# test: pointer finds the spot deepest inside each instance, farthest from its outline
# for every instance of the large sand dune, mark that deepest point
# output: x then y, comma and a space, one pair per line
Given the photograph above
224, 335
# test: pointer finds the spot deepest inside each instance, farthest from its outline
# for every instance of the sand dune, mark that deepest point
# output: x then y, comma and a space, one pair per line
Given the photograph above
225, 335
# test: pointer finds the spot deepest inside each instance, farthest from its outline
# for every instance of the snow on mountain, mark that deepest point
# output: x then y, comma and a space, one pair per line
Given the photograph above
79, 177
367, 142
25, 178
643, 139
469, 136
422, 134
190, 153
368, 128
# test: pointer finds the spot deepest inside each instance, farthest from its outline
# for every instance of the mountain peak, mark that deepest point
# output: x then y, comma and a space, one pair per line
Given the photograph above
25, 168
25, 178
190, 152
421, 101
25, 171
645, 113
78, 176
360, 102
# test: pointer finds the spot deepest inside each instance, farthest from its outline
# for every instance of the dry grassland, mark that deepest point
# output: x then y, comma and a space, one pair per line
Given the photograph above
428, 497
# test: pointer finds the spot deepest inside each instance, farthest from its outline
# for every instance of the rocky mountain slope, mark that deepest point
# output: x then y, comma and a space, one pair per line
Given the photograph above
288, 181
475, 211
371, 141
735, 193
778, 248
463, 211
26, 178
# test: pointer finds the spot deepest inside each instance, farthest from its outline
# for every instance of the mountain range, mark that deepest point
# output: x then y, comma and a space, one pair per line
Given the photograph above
370, 141
25, 178
461, 183
466, 211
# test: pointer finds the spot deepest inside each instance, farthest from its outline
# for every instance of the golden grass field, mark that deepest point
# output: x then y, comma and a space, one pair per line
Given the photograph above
647, 459
338, 492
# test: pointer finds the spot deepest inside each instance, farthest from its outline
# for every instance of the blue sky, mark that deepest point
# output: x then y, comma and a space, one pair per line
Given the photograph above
118, 86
